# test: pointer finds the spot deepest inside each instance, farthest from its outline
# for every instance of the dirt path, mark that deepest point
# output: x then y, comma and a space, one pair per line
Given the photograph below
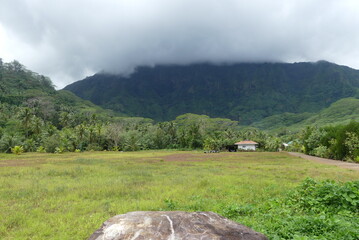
354, 166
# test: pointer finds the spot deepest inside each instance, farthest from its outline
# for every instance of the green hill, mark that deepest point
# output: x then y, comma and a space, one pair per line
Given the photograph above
246, 93
21, 88
340, 112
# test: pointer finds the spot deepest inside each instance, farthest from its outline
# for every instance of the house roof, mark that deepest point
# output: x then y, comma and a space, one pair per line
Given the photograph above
245, 142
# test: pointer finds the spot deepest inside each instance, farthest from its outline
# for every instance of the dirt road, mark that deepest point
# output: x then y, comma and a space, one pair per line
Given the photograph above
354, 166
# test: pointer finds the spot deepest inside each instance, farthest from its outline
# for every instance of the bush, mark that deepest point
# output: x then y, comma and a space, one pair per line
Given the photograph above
17, 150
8, 141
51, 143
321, 151
314, 210
41, 149
30, 145
326, 196
59, 150
93, 147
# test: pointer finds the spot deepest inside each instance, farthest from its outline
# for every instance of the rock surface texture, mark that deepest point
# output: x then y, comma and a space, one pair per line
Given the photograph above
173, 226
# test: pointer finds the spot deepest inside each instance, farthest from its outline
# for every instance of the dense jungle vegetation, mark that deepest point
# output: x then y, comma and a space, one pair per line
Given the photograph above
246, 92
36, 117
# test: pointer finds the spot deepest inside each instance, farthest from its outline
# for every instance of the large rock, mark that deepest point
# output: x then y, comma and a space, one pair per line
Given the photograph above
173, 226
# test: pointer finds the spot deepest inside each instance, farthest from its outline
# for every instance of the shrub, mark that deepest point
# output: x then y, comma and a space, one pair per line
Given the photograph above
51, 143
115, 148
326, 196
321, 151
314, 210
30, 145
59, 149
41, 149
8, 141
17, 150
94, 147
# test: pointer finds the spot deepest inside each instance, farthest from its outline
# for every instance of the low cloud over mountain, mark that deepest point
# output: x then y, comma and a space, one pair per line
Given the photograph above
70, 39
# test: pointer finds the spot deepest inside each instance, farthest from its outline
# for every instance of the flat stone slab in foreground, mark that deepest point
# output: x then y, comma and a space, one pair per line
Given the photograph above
173, 226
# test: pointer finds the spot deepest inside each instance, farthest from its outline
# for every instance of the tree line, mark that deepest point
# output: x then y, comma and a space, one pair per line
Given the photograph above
336, 142
37, 126
40, 126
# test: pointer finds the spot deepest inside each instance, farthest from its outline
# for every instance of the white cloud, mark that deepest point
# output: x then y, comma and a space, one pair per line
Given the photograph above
69, 39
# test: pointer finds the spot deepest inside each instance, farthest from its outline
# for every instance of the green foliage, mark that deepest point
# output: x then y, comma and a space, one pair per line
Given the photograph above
272, 144
210, 144
236, 211
321, 151
59, 150
17, 150
313, 210
244, 92
51, 143
94, 147
352, 144
281, 120
320, 210
30, 145
18, 83
338, 113
9, 141
338, 142
132, 141
170, 204
41, 149
326, 197
60, 122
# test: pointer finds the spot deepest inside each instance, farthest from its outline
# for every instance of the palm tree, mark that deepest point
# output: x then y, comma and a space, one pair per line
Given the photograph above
64, 119
36, 125
25, 116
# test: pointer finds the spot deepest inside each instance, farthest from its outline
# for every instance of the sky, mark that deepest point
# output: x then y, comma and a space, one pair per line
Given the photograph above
68, 40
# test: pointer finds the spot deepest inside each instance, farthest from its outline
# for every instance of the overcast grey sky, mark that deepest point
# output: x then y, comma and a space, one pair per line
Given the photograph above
70, 39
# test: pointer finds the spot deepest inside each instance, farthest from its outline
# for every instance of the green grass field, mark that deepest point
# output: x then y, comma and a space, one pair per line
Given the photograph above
68, 196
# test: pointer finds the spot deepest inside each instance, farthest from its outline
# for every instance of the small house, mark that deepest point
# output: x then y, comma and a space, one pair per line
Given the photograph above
246, 145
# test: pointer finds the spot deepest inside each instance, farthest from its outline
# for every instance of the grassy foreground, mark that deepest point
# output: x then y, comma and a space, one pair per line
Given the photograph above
68, 196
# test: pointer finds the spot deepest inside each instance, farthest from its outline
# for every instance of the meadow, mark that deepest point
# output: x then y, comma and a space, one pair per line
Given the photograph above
69, 195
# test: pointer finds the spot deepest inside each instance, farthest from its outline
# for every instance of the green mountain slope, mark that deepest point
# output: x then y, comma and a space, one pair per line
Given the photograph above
20, 88
243, 92
340, 112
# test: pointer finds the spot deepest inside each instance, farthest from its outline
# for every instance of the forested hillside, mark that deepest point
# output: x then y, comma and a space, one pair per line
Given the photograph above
243, 92
20, 87
340, 112
36, 117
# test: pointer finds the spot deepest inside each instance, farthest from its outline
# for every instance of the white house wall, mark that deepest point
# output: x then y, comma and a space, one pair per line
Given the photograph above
247, 147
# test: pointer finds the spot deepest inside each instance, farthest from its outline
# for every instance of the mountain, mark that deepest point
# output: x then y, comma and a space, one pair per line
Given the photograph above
340, 112
20, 88
248, 92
